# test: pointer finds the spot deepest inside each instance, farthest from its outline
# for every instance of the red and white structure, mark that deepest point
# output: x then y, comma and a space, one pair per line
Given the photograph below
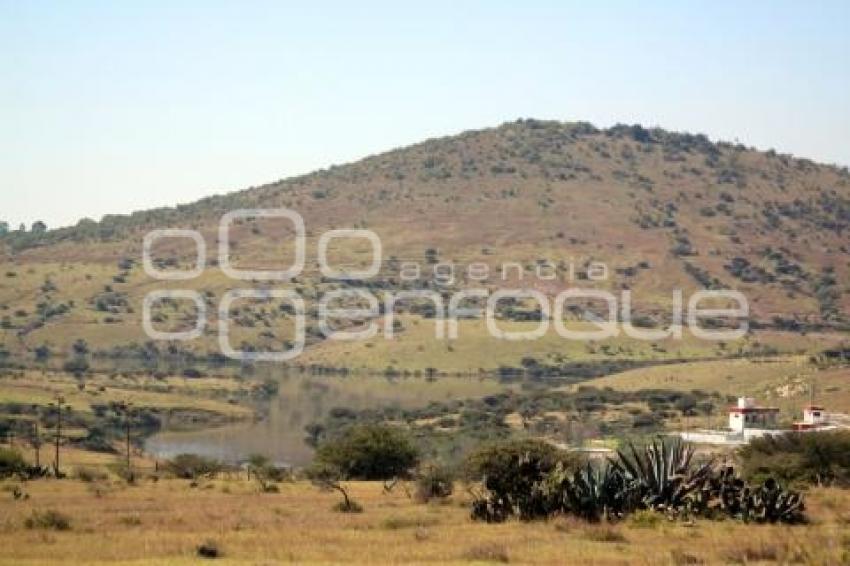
747, 415
814, 417
747, 420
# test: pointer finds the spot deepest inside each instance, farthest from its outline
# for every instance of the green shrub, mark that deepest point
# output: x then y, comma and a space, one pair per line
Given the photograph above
512, 472
369, 452
818, 458
522, 480
11, 462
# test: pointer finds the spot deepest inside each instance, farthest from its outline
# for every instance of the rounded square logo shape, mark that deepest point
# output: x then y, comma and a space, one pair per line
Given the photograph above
357, 314
154, 235
154, 296
260, 274
224, 324
328, 271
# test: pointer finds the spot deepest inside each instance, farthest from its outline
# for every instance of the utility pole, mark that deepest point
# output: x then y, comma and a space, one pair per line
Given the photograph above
127, 408
59, 404
36, 436
36, 443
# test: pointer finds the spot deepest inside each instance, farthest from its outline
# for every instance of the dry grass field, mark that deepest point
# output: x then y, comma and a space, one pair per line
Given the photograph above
163, 523
783, 382
208, 394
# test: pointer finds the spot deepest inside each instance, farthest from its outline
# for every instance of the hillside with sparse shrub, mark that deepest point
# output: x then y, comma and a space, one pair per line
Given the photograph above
662, 210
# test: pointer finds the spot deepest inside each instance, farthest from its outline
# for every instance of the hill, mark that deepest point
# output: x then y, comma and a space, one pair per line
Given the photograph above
662, 210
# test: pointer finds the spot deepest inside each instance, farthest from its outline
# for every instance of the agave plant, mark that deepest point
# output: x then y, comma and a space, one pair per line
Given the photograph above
598, 492
663, 475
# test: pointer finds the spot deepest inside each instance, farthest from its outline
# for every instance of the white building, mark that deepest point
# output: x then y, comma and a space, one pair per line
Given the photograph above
746, 421
747, 415
814, 417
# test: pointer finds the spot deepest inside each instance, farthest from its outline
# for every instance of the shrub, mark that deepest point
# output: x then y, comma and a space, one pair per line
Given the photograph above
130, 520
49, 520
661, 477
434, 481
11, 463
369, 452
511, 472
327, 477
348, 506
209, 549
820, 458
192, 466
77, 365
267, 473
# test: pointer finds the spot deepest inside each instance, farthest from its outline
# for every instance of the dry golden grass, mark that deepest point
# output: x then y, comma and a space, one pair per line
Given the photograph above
784, 382
164, 522
41, 387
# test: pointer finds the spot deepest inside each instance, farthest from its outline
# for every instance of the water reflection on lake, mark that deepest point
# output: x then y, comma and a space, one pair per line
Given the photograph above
302, 399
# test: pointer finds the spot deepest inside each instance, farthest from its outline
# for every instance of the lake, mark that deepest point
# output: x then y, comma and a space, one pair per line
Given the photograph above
302, 399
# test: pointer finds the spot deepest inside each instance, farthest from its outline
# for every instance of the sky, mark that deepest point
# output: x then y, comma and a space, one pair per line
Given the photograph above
110, 107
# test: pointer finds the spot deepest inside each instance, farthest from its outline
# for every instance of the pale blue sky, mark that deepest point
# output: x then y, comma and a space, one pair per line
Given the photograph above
109, 107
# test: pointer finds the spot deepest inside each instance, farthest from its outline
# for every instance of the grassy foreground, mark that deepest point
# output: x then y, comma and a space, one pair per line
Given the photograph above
164, 522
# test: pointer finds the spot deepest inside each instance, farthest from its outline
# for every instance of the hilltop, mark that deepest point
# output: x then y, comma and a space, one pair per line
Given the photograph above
664, 210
